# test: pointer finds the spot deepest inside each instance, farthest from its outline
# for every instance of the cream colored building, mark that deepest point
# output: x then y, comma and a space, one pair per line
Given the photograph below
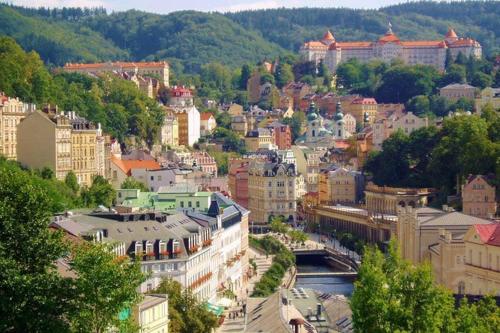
259, 138
239, 124
386, 200
152, 314
84, 141
488, 96
159, 69
169, 134
44, 140
388, 48
482, 266
420, 228
455, 91
448, 260
12, 111
272, 192
308, 161
360, 107
340, 186
407, 123
479, 197
207, 123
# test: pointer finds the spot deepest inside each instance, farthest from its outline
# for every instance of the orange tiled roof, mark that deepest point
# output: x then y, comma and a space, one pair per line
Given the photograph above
328, 36
116, 64
353, 45
463, 42
315, 44
205, 115
364, 101
424, 43
127, 165
451, 33
389, 38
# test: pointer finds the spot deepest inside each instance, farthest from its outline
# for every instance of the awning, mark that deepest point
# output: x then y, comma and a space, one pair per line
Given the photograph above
224, 302
217, 310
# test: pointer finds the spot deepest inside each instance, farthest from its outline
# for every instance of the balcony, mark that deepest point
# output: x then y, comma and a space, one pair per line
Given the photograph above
201, 280
207, 242
194, 249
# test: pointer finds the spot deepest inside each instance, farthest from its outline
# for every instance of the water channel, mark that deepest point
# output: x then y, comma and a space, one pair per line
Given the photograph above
337, 285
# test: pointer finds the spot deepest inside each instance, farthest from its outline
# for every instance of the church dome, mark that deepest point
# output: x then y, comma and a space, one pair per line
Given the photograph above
312, 116
338, 115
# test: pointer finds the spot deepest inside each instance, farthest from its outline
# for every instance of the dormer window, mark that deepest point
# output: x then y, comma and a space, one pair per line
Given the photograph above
149, 249
138, 248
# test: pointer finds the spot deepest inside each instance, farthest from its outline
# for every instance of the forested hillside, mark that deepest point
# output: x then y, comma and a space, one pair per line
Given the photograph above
424, 19
189, 39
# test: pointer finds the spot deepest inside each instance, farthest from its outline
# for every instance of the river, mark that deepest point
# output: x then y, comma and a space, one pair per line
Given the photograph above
317, 264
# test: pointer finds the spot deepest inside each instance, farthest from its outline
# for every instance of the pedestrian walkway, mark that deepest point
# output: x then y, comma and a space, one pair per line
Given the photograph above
235, 320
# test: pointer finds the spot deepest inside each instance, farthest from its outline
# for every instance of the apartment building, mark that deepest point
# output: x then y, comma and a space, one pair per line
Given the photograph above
479, 197
159, 69
188, 117
44, 141
12, 111
455, 91
273, 193
340, 186
169, 133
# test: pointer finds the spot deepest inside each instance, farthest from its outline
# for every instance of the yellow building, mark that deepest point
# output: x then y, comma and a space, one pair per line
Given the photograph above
44, 140
308, 165
448, 261
272, 193
259, 138
340, 186
488, 96
152, 314
169, 134
482, 265
359, 106
84, 140
12, 111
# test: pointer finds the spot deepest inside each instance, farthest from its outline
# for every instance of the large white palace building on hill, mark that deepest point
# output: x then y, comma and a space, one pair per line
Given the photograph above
388, 47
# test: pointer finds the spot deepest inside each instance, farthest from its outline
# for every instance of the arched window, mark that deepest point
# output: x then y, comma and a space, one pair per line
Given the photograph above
313, 132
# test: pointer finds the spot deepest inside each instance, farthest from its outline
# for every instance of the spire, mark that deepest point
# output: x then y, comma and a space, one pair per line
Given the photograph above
328, 36
451, 34
389, 30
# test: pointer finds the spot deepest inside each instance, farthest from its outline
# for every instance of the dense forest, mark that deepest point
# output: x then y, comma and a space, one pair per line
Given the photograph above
189, 39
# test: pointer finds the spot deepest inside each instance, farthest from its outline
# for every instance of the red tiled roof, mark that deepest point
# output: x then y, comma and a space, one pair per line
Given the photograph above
118, 63
205, 115
364, 101
351, 45
463, 42
451, 33
425, 43
127, 165
328, 36
315, 44
489, 233
389, 38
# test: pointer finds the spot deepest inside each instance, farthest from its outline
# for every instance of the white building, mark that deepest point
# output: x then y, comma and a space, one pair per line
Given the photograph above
384, 127
188, 116
389, 47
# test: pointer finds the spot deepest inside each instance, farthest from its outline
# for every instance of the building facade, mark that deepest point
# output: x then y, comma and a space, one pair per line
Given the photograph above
488, 96
282, 135
169, 135
160, 69
44, 141
479, 197
208, 123
273, 193
389, 47
259, 138
455, 91
12, 111
340, 186
188, 116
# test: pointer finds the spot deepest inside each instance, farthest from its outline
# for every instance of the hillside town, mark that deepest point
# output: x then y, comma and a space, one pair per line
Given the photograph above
213, 196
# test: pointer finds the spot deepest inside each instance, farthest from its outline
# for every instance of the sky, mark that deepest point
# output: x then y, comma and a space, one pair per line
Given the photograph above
166, 6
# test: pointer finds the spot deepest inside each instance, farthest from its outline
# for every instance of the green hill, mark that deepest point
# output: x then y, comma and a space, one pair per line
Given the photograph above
416, 20
56, 42
189, 39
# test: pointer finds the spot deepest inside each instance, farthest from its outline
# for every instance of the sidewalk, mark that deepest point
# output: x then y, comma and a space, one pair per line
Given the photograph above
238, 322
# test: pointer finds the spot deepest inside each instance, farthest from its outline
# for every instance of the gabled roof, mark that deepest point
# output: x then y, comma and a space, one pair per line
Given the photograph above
206, 115
328, 36
489, 233
453, 219
127, 165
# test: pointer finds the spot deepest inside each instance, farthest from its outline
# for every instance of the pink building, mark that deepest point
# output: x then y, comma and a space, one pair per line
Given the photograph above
205, 162
478, 197
238, 180
282, 135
